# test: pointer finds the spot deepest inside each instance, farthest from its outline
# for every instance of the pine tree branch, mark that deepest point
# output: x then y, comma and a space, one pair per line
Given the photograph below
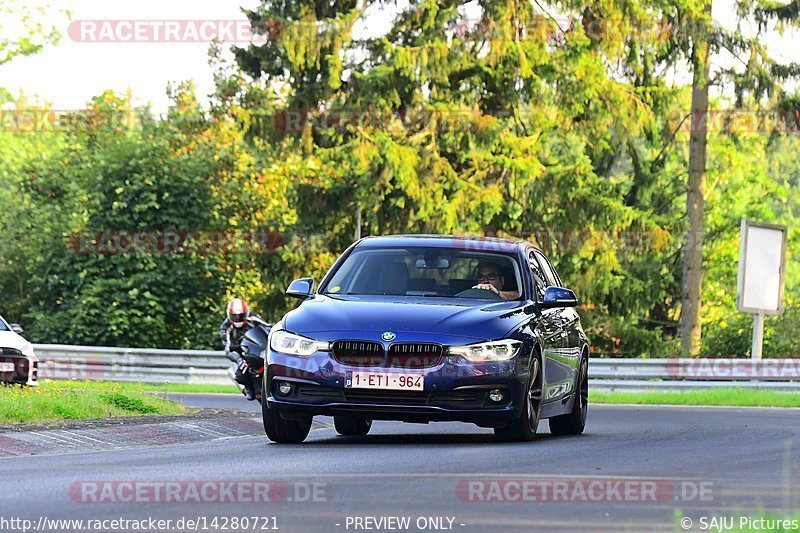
663, 152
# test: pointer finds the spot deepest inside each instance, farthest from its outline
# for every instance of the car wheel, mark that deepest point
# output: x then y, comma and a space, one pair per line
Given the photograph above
351, 426
523, 429
574, 422
279, 429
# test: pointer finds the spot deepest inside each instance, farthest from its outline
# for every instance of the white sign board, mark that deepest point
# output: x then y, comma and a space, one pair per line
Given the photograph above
762, 256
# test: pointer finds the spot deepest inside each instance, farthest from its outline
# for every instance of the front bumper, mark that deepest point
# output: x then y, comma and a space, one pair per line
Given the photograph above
454, 390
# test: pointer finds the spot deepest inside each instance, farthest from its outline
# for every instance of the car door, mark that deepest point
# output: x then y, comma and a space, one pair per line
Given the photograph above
549, 325
565, 358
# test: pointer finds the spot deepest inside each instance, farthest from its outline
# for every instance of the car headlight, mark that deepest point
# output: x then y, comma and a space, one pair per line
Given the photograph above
501, 350
291, 344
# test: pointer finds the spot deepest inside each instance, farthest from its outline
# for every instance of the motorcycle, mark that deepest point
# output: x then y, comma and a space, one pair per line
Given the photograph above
253, 351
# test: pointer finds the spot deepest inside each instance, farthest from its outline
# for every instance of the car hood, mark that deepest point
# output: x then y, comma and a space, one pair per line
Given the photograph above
9, 339
444, 320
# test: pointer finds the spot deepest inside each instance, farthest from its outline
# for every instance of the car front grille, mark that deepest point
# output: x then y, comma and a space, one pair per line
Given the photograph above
358, 353
393, 397
465, 398
415, 355
368, 354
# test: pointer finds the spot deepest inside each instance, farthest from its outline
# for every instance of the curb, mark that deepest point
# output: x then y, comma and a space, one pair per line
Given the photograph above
122, 434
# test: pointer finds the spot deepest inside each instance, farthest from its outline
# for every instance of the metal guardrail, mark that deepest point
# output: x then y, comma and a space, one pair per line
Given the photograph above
146, 365
142, 365
686, 374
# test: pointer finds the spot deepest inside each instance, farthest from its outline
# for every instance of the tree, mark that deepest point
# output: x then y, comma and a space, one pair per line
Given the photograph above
24, 30
131, 178
496, 125
695, 189
686, 39
760, 79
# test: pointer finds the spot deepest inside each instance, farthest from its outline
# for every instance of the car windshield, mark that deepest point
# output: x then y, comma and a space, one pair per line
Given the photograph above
434, 272
3, 326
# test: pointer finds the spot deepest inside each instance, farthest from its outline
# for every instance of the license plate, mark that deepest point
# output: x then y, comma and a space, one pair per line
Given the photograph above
384, 380
6, 367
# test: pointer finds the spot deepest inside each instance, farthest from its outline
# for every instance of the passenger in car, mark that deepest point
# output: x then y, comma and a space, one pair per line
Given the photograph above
490, 279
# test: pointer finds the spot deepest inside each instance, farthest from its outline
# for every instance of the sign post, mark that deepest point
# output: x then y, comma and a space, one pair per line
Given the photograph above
758, 335
762, 270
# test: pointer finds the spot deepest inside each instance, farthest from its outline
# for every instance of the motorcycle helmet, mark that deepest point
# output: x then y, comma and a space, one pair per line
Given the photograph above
238, 312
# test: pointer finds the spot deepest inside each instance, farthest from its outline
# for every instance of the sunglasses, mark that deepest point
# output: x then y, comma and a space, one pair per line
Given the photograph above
488, 277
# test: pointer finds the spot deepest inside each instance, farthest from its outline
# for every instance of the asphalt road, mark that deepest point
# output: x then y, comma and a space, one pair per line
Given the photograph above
630, 471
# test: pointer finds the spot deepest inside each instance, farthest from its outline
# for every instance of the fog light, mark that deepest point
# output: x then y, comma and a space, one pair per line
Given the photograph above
496, 395
284, 388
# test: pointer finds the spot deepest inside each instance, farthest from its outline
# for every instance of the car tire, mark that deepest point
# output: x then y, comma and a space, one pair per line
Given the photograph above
280, 430
351, 426
523, 429
574, 422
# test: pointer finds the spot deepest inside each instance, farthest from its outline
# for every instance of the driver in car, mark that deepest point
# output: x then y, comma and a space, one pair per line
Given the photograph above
490, 279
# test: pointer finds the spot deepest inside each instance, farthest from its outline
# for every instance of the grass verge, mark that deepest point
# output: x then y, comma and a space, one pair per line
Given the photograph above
720, 397
723, 397
144, 387
100, 400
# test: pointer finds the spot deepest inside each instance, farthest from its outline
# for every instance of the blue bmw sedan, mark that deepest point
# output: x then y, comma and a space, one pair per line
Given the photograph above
429, 328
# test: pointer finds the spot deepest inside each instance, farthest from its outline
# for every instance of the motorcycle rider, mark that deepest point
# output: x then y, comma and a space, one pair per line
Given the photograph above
238, 321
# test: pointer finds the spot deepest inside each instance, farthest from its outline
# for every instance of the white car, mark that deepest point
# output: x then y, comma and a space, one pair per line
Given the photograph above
18, 363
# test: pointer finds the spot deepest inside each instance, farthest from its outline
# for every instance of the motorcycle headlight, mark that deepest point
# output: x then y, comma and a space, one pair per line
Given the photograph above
501, 350
291, 344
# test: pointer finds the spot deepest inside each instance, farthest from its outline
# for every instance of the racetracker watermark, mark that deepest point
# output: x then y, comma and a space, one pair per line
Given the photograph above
174, 31
176, 242
584, 490
572, 240
737, 121
88, 367
456, 367
715, 122
42, 120
343, 120
729, 368
193, 491
552, 30
147, 523
558, 29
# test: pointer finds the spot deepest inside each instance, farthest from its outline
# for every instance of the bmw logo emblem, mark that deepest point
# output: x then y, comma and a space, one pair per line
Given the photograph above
388, 336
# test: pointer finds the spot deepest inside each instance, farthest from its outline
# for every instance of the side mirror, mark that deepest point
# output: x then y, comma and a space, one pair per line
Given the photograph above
300, 288
558, 297
16, 328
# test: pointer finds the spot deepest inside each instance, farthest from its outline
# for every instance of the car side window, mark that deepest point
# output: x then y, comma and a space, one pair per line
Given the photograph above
549, 272
539, 280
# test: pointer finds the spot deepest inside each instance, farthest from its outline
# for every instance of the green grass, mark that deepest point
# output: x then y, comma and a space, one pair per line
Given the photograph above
187, 387
166, 387
731, 397
83, 400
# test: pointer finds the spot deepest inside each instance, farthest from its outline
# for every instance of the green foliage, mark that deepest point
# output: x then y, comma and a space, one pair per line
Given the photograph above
53, 402
24, 29
128, 403
153, 178
453, 129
